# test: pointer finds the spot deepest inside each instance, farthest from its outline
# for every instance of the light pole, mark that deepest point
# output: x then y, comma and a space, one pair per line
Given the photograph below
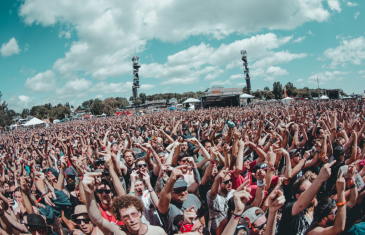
246, 72
136, 67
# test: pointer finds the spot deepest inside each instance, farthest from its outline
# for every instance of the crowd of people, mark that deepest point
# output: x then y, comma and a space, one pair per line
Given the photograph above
267, 168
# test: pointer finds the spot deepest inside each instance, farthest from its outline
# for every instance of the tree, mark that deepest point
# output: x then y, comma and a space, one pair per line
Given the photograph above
266, 88
109, 106
96, 107
269, 95
257, 94
143, 97
122, 102
277, 90
291, 89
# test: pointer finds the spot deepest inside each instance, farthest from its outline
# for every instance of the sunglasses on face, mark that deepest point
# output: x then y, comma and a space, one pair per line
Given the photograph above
180, 190
101, 191
227, 181
142, 165
99, 163
128, 217
85, 220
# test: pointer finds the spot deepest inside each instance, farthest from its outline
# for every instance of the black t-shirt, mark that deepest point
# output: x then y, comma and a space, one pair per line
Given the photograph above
294, 225
127, 176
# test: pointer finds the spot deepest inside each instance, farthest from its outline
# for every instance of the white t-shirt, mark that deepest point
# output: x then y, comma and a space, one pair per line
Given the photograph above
218, 208
150, 211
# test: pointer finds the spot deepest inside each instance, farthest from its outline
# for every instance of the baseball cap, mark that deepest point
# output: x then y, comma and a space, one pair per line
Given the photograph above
253, 214
260, 166
52, 170
338, 151
70, 172
295, 151
36, 221
180, 183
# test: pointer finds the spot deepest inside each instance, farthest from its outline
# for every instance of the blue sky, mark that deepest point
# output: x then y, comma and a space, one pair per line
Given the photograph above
71, 51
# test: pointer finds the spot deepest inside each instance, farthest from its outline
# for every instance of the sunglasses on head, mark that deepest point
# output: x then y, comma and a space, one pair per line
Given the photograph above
100, 191
227, 181
85, 220
180, 190
140, 165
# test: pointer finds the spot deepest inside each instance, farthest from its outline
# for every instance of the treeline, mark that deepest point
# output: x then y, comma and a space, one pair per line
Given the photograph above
47, 110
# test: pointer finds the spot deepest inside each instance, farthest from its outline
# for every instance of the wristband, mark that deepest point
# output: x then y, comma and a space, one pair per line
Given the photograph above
150, 191
341, 204
185, 228
236, 217
261, 182
352, 186
131, 192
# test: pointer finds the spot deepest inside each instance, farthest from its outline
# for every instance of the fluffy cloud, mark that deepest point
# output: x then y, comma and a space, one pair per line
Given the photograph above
188, 65
10, 48
110, 32
299, 80
351, 4
299, 40
18, 103
327, 76
361, 71
349, 51
75, 87
108, 88
42, 82
334, 5
356, 14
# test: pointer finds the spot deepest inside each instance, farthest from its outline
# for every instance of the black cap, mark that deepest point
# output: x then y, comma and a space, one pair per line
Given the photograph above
261, 165
338, 151
36, 221
180, 183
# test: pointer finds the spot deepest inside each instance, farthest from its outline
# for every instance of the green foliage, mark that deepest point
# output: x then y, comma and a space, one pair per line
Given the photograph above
277, 90
143, 97
257, 94
109, 106
96, 107
43, 111
266, 88
122, 102
269, 95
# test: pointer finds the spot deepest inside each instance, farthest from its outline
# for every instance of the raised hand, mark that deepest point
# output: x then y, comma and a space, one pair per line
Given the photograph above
240, 197
190, 215
276, 200
325, 171
89, 181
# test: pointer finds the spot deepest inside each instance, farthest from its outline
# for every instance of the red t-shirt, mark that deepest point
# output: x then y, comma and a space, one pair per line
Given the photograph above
109, 218
237, 181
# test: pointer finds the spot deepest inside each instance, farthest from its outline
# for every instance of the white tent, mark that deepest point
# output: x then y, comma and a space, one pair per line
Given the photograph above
34, 121
191, 100
287, 100
324, 97
246, 96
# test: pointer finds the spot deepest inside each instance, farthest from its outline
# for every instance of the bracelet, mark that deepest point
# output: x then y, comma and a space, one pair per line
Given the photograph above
44, 193
131, 192
236, 217
352, 186
341, 204
261, 182
150, 191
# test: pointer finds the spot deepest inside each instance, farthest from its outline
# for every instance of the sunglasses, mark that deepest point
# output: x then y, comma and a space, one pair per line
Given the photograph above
128, 217
101, 191
100, 163
140, 165
85, 220
227, 181
180, 190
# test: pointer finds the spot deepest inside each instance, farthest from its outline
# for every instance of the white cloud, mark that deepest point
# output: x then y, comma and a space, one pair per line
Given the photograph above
352, 50
42, 82
356, 14
209, 61
145, 87
176, 81
18, 103
351, 4
100, 97
111, 32
299, 80
237, 76
276, 71
75, 87
65, 34
310, 33
10, 48
327, 76
108, 88
361, 71
334, 5
299, 40
269, 79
